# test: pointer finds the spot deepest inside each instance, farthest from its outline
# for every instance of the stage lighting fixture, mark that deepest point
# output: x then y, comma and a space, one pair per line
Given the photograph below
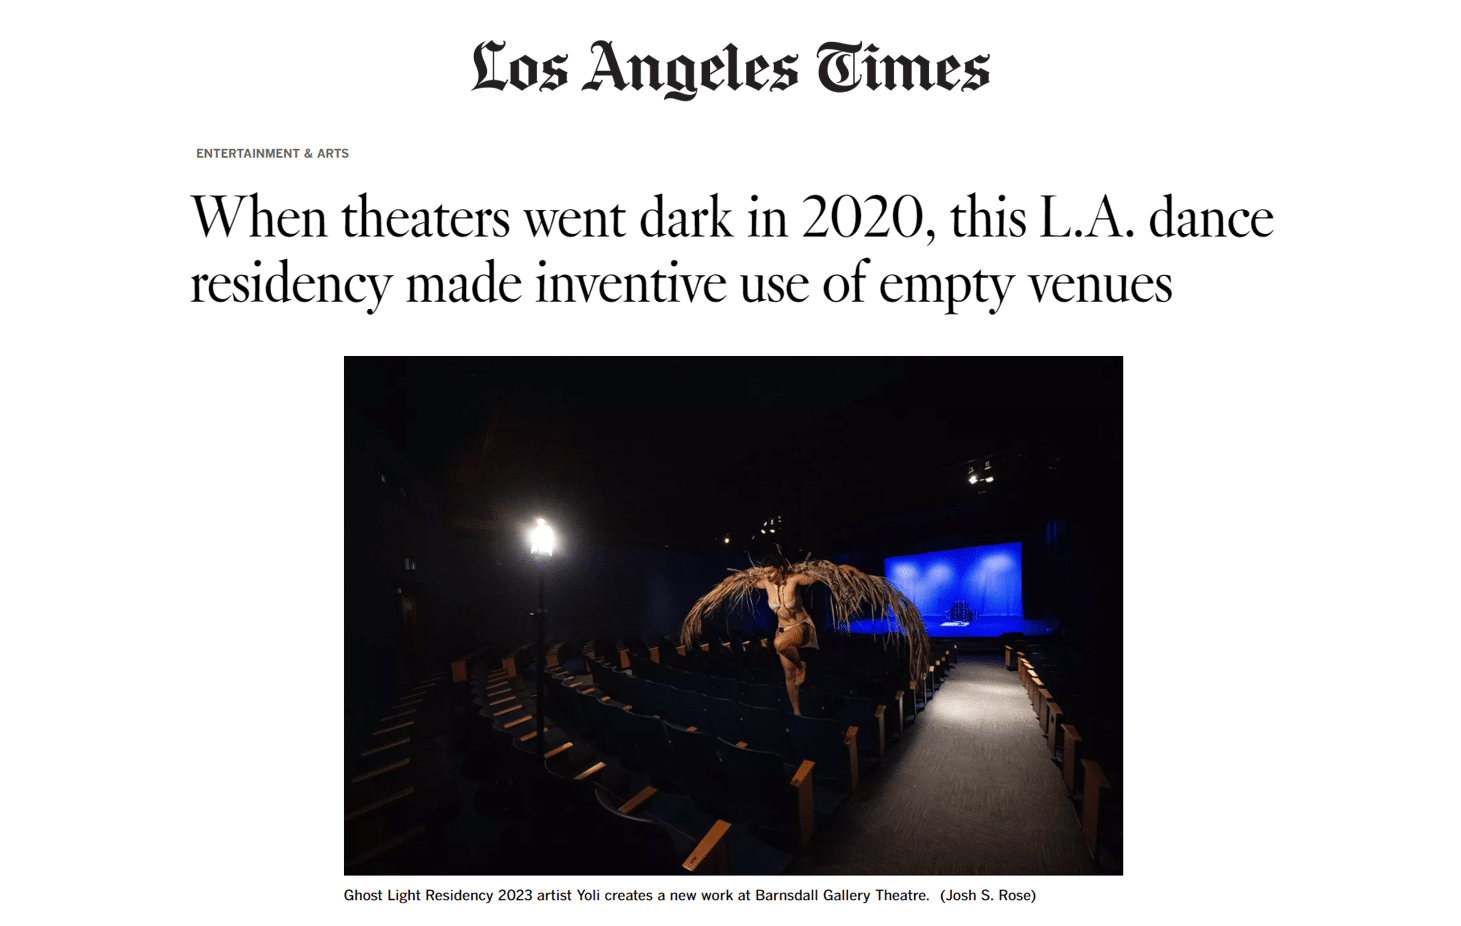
981, 472
542, 539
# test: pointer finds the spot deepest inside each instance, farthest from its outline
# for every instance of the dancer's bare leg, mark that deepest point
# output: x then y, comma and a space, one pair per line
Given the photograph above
787, 644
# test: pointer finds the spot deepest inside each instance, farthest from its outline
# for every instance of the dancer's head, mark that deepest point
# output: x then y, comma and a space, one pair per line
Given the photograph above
778, 564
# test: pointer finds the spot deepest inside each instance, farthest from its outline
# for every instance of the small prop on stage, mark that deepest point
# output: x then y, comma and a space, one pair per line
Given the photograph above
852, 591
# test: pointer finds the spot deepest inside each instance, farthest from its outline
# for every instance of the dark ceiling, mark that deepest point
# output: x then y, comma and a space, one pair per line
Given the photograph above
684, 451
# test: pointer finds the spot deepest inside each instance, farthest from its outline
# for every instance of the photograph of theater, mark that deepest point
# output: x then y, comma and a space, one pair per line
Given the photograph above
844, 616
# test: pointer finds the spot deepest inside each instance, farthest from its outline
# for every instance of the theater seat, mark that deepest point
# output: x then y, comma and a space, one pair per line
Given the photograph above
696, 769
766, 731
762, 794
830, 745
635, 842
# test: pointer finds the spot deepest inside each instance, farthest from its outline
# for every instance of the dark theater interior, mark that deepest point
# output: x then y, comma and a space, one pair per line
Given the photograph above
524, 538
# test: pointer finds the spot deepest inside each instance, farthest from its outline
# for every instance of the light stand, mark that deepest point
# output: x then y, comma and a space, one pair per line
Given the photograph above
542, 549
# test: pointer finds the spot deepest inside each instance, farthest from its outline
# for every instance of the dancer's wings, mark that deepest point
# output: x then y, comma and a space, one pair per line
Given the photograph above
736, 590
853, 592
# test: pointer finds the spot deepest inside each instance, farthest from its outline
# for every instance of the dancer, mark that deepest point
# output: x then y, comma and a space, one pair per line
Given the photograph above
852, 590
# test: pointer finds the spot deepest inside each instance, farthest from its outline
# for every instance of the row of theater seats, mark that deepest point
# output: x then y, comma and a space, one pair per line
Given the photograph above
405, 791
399, 783
1060, 698
712, 702
583, 809
699, 781
852, 667
835, 728
444, 786
441, 787
833, 744
699, 753
845, 665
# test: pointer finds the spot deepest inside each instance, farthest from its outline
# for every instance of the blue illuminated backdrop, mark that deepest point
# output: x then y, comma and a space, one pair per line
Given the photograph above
968, 592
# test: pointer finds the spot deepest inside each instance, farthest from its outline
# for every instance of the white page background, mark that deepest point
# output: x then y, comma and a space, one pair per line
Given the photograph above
173, 665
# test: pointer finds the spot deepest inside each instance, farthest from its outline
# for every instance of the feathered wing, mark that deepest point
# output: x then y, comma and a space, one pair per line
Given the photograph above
854, 591
737, 590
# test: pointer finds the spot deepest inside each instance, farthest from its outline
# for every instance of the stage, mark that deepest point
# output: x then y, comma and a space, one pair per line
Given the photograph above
989, 626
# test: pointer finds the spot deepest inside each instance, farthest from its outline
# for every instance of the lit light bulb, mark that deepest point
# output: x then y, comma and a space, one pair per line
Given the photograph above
542, 538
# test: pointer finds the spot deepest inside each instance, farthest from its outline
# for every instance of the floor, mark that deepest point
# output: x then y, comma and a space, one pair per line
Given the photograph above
970, 789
